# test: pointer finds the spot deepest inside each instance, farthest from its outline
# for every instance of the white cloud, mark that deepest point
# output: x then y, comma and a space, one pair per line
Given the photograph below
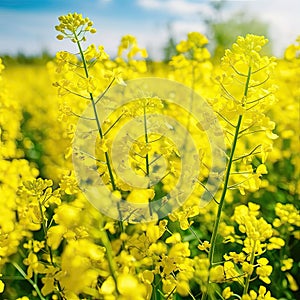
176, 7
182, 27
282, 17
183, 17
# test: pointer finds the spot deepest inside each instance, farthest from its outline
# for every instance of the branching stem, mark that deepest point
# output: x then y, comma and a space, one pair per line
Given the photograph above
104, 236
225, 187
34, 285
246, 287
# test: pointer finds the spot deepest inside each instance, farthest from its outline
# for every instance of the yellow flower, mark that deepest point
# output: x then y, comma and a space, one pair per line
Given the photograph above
174, 238
129, 44
154, 232
55, 235
194, 43
227, 293
78, 262
67, 215
141, 195
34, 266
34, 245
263, 294
1, 286
1, 66
180, 250
287, 213
292, 282
148, 276
183, 288
108, 286
230, 271
87, 84
183, 215
264, 270
291, 51
130, 288
287, 264
247, 268
68, 184
169, 285
275, 243
205, 246
251, 296
261, 169
216, 274
74, 27
236, 257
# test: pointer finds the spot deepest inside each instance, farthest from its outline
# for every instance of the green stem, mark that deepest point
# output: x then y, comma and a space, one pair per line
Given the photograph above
147, 155
85, 67
34, 285
146, 140
101, 134
48, 248
226, 181
104, 236
45, 230
246, 287
222, 200
188, 124
109, 254
155, 285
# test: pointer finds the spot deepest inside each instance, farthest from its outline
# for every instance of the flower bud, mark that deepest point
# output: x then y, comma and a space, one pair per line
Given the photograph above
60, 37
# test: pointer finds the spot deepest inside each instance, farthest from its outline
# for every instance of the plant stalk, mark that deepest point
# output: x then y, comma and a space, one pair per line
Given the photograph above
246, 287
34, 285
104, 236
226, 181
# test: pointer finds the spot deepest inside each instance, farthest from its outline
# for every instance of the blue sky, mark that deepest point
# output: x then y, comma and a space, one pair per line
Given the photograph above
28, 25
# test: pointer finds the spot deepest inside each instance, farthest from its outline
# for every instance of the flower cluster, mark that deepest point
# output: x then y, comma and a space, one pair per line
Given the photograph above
74, 26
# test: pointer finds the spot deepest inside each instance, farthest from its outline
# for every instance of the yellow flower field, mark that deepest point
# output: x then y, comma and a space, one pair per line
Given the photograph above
180, 180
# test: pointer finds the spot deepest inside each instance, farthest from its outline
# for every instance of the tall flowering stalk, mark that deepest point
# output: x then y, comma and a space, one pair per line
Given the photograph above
245, 94
85, 85
74, 27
